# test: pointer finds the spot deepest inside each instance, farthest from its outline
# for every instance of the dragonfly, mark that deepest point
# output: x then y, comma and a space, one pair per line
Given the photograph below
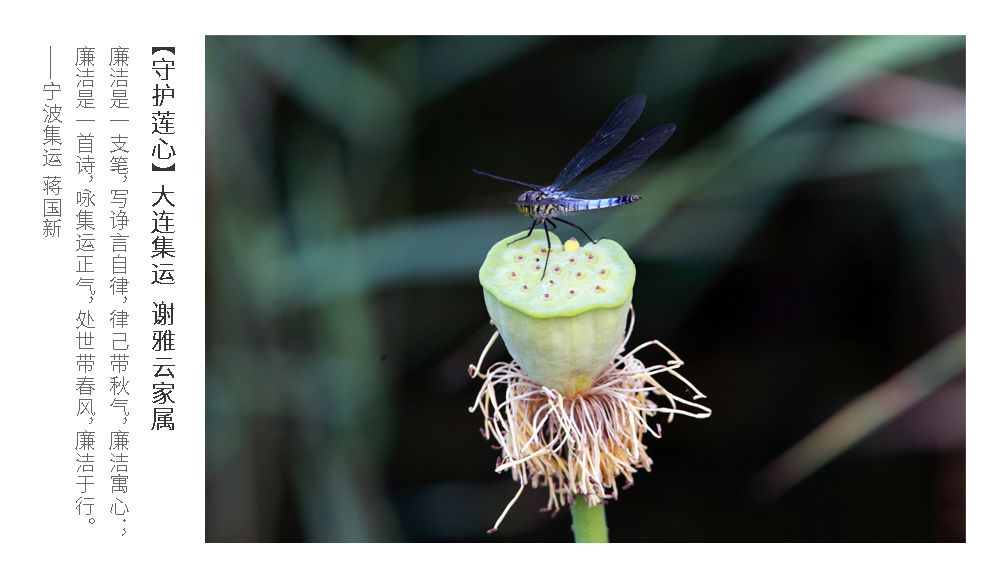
568, 194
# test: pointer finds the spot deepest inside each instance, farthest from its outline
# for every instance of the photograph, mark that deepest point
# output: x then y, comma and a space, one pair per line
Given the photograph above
656, 289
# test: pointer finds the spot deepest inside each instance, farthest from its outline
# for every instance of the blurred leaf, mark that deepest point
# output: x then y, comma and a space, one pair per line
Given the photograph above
863, 416
847, 63
335, 87
447, 62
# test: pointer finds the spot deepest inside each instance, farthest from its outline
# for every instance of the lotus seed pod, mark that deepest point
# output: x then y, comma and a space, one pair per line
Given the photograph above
565, 328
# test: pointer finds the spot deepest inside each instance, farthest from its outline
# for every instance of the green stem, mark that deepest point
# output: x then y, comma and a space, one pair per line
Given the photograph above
589, 525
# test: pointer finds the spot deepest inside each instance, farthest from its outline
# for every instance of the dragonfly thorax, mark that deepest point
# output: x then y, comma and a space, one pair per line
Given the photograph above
530, 201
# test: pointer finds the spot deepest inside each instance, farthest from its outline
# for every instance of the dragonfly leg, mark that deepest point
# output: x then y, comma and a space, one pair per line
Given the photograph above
534, 223
579, 229
548, 241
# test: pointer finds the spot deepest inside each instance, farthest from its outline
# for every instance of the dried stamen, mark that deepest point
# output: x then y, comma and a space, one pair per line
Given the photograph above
579, 445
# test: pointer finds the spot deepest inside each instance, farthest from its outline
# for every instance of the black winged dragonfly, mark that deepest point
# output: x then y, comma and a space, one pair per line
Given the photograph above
545, 204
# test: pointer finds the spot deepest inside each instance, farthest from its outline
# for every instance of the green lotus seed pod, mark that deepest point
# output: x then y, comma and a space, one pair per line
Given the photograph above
563, 330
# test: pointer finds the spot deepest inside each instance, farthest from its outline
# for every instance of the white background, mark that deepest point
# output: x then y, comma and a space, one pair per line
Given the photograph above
167, 525
166, 468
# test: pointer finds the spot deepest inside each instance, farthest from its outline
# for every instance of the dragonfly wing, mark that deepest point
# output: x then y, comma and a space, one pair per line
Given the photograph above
598, 182
610, 134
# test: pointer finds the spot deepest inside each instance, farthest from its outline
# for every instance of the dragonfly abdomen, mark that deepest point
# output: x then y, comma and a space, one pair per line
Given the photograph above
578, 204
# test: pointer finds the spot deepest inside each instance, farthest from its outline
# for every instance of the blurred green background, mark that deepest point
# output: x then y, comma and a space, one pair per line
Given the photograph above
801, 244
